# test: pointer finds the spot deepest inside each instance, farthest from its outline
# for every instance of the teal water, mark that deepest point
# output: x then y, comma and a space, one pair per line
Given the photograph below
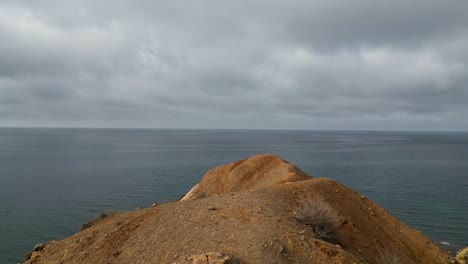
52, 180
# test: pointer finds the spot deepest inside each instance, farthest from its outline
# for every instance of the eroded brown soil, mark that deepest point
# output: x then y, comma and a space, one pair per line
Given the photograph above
246, 212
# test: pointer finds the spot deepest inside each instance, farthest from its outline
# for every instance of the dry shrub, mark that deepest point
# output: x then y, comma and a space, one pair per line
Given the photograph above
320, 217
462, 256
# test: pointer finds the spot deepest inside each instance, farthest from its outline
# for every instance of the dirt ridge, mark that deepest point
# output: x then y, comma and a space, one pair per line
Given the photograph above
247, 212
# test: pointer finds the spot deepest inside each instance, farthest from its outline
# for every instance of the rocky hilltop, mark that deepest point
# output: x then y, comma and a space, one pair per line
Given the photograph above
258, 210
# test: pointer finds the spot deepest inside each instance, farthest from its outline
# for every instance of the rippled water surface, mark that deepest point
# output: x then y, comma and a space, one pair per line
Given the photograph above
52, 180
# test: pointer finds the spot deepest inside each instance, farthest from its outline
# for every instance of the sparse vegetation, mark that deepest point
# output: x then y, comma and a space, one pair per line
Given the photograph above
95, 221
462, 256
389, 257
320, 217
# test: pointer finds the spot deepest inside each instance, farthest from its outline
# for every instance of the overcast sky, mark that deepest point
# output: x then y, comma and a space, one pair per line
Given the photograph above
362, 64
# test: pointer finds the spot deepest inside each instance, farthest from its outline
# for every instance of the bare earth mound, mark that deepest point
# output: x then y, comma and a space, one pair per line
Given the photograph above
258, 210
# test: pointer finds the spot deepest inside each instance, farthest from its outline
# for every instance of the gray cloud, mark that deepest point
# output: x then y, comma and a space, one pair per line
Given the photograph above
239, 64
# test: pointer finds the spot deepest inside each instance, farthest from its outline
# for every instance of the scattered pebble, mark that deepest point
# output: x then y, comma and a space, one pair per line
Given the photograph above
282, 249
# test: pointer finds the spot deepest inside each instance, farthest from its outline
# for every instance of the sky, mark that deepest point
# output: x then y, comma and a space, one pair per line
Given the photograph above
335, 64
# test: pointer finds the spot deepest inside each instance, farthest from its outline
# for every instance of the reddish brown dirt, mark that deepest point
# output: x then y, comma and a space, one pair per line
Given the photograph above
246, 210
256, 172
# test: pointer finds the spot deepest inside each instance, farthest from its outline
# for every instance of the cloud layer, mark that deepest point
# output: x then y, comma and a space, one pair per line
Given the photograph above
235, 64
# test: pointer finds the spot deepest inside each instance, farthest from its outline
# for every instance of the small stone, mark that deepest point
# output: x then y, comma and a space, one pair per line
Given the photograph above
282, 249
211, 208
39, 247
211, 257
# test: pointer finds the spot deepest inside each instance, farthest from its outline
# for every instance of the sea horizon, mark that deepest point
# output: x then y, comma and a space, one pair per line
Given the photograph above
55, 179
238, 129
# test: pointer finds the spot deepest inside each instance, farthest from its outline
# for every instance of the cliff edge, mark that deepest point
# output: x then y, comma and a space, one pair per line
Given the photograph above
258, 210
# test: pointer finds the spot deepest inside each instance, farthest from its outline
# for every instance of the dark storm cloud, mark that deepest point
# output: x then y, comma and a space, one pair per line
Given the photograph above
244, 64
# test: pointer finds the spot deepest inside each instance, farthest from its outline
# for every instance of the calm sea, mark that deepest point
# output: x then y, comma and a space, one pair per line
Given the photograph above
52, 180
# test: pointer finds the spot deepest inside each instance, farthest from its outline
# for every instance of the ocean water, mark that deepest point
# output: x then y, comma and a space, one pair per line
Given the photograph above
53, 180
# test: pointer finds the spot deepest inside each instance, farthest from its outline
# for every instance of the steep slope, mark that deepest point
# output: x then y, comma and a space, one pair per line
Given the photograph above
259, 210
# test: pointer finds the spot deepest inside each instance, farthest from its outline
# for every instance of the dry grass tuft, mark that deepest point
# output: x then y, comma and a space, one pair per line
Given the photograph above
320, 217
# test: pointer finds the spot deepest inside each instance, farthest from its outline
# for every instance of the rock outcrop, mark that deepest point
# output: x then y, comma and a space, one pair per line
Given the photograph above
258, 210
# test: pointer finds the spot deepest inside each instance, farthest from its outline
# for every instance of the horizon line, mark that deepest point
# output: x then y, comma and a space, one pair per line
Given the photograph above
240, 129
